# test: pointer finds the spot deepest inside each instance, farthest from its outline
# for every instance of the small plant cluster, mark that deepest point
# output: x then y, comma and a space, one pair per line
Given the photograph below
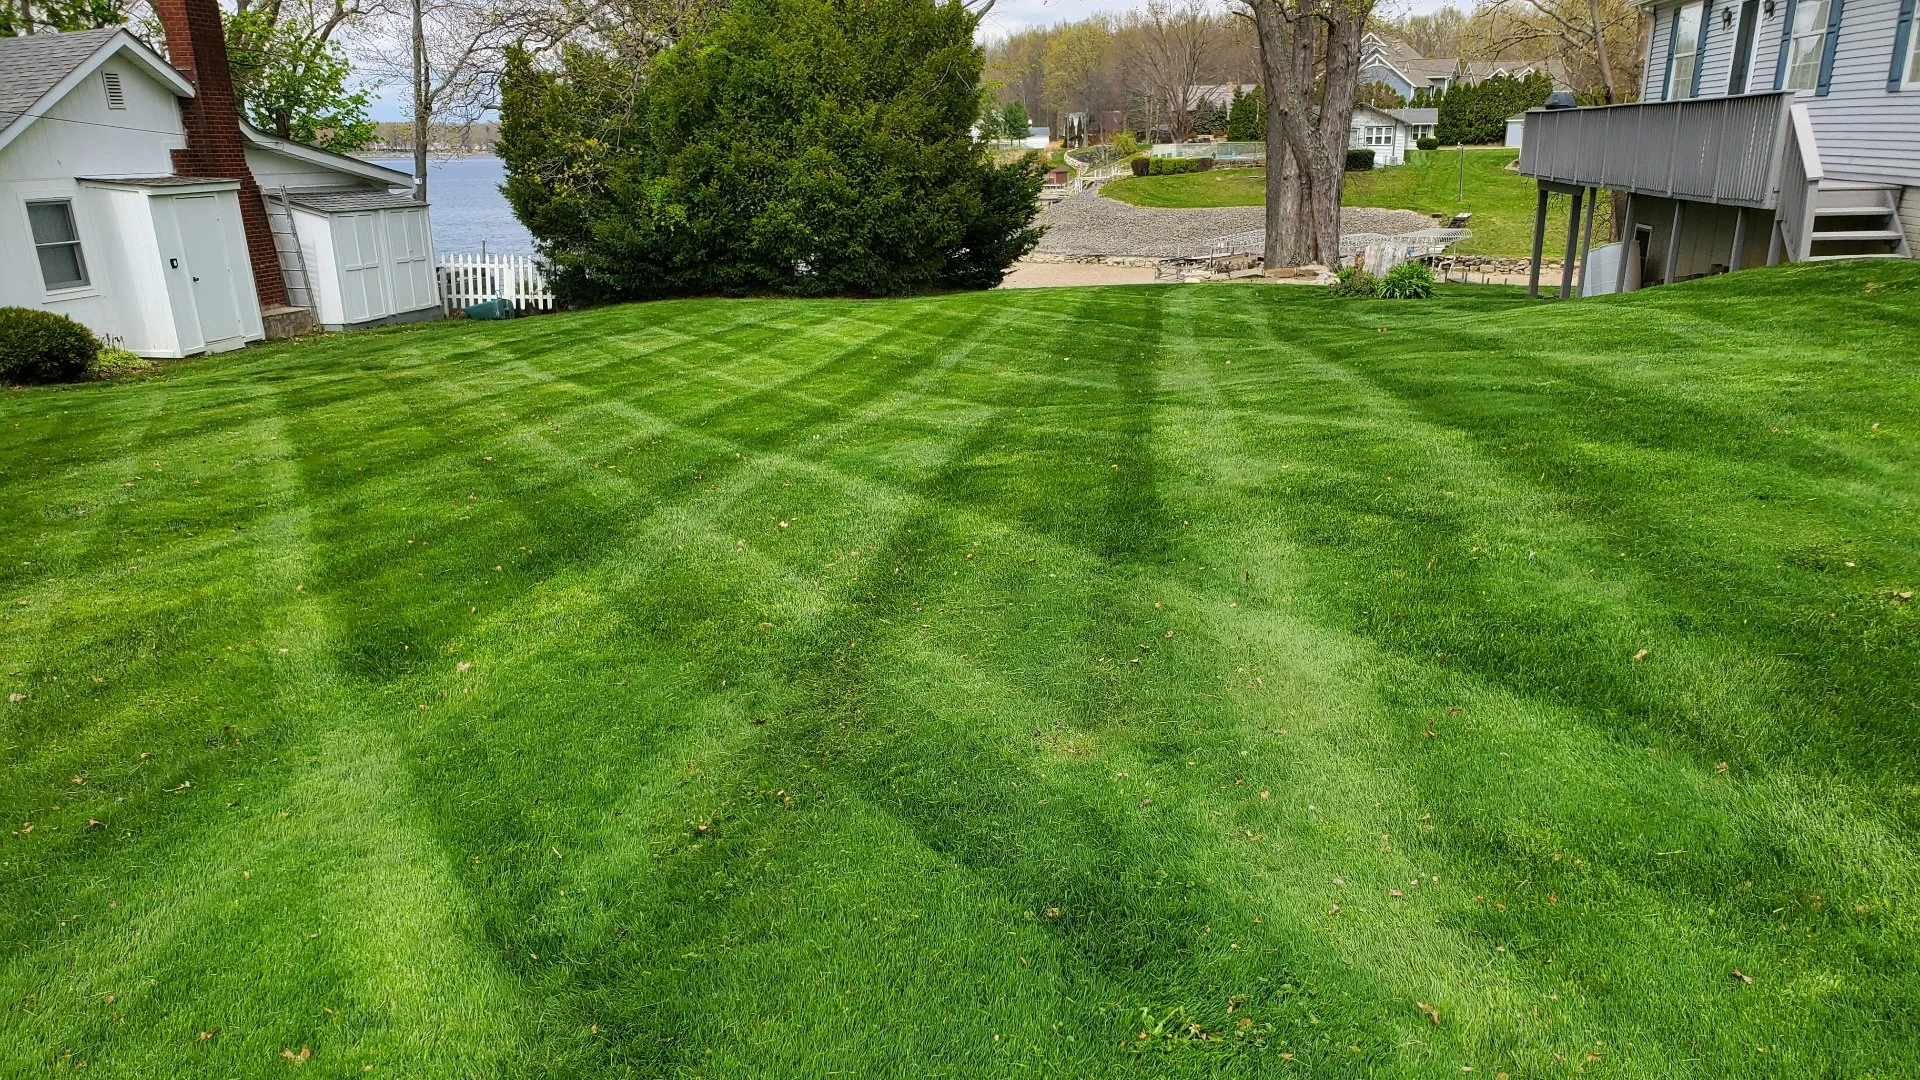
1408, 281
41, 347
1428, 143
1359, 160
1170, 166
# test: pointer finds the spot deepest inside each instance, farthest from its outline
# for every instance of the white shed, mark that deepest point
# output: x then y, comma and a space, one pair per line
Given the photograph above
353, 250
91, 223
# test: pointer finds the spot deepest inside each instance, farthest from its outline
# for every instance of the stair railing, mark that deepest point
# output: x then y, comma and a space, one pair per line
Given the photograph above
1800, 176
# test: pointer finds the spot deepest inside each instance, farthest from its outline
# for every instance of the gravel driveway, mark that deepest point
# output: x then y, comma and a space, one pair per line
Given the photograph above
1092, 224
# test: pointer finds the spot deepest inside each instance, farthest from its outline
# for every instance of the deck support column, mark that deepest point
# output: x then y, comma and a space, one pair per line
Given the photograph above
1629, 240
1776, 242
1673, 241
1739, 240
1539, 241
1573, 239
1586, 238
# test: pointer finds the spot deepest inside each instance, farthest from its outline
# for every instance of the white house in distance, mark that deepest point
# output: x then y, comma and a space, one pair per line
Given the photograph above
124, 203
1379, 130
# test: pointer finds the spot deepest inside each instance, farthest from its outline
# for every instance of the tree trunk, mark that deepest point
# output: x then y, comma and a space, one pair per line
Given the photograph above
422, 108
1600, 50
1283, 175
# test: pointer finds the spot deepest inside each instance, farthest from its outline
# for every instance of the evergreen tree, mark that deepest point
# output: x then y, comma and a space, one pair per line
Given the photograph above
1246, 118
801, 146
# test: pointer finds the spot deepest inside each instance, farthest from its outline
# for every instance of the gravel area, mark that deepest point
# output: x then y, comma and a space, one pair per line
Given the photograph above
1092, 224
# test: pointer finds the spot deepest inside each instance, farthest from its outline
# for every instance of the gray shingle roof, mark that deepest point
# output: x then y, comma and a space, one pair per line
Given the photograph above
1417, 116
343, 201
157, 181
32, 65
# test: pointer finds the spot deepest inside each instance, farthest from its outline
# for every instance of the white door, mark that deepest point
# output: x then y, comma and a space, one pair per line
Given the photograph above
204, 242
363, 289
411, 271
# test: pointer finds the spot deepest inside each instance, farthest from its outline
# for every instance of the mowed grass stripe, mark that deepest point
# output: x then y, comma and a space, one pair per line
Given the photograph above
719, 798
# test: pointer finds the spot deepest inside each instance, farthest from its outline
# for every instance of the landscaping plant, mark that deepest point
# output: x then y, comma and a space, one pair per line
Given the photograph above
41, 347
800, 146
1408, 281
1354, 283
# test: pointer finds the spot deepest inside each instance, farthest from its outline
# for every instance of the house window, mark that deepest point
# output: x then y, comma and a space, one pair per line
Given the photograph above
58, 244
1686, 52
1809, 43
1912, 81
1379, 135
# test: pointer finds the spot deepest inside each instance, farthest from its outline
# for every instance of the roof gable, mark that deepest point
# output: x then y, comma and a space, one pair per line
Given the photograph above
37, 70
325, 159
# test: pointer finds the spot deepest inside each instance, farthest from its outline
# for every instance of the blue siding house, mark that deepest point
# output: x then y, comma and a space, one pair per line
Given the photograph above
1767, 131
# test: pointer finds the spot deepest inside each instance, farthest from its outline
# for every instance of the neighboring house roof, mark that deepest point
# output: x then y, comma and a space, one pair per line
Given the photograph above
1382, 114
348, 200
1395, 48
37, 70
326, 159
1215, 94
1416, 117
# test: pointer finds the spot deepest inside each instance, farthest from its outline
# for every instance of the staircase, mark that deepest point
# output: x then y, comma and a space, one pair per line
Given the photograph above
1856, 221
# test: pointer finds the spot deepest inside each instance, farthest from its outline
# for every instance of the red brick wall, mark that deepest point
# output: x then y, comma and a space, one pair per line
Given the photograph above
212, 120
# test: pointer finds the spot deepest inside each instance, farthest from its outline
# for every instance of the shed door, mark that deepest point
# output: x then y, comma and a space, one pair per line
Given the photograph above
204, 242
412, 260
363, 290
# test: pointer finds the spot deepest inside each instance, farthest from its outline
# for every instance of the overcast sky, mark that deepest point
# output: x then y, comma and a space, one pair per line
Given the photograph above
1007, 17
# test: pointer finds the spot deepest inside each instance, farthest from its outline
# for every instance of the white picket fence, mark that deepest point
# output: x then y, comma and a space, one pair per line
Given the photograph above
469, 279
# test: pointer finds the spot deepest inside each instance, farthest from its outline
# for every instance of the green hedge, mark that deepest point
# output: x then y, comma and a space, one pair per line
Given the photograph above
1170, 166
1359, 160
41, 347
1477, 114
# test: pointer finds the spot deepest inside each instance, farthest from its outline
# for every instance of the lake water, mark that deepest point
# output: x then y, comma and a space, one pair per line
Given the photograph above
467, 207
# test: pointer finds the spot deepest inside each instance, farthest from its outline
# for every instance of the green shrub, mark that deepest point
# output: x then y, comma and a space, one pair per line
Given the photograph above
1170, 166
812, 147
1428, 143
1408, 281
114, 362
1359, 160
41, 347
1355, 283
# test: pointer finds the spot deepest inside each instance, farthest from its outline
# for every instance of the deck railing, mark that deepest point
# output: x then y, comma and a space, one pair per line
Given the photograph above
1800, 175
1724, 150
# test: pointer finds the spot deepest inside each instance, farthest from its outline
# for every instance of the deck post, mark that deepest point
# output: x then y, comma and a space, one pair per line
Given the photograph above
1739, 238
1586, 238
1673, 241
1573, 239
1629, 240
1539, 241
1776, 242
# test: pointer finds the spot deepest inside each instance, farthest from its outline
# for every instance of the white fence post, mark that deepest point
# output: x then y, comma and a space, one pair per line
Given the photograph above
467, 278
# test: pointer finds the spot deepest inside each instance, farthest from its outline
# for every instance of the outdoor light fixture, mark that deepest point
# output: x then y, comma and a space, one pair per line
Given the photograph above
1726, 18
1768, 7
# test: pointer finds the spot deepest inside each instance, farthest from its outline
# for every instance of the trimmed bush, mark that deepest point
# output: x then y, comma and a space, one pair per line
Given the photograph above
1428, 143
1359, 160
1408, 281
41, 347
1170, 166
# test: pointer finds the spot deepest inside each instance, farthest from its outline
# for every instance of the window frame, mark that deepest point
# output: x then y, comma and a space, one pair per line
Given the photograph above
1369, 138
1679, 85
1910, 64
1817, 49
85, 280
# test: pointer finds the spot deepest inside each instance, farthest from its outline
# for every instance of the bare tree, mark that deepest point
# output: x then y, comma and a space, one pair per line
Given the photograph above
1172, 48
1596, 41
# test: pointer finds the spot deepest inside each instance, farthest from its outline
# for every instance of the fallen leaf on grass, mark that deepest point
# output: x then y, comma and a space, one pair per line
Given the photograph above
1639, 656
299, 1058
205, 1035
1741, 976
1395, 892
1433, 1014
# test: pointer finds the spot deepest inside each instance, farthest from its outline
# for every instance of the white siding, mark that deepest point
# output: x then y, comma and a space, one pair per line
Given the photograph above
1864, 132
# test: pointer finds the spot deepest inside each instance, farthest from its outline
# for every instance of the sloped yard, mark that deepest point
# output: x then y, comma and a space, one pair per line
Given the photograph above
1207, 681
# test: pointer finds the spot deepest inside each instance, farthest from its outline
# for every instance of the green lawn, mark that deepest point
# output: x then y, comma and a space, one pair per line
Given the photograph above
1164, 681
1501, 201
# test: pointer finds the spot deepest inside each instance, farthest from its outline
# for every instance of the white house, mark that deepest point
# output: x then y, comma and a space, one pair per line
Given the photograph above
157, 239
1388, 136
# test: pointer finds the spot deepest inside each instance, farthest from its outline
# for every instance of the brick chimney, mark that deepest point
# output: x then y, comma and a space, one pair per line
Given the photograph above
197, 47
